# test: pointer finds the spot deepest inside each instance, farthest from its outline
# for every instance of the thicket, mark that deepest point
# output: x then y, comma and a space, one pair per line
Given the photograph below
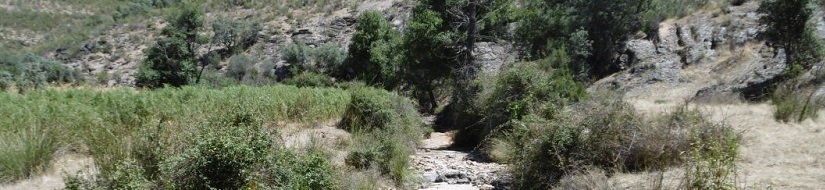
428, 61
373, 55
173, 60
25, 72
119, 125
235, 35
387, 128
522, 89
194, 137
606, 133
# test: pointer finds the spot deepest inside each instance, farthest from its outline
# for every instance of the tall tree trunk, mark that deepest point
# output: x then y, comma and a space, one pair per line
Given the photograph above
471, 39
204, 61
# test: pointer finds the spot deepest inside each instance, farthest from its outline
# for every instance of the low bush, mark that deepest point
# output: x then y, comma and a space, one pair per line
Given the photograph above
223, 156
235, 35
241, 66
386, 129
793, 104
606, 133
297, 56
711, 163
368, 110
310, 171
329, 58
33, 72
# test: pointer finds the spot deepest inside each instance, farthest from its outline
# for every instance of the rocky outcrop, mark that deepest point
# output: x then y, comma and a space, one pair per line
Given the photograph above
708, 52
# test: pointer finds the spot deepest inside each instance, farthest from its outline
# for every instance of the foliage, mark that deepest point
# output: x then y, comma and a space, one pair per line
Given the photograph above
428, 59
297, 56
386, 128
592, 31
173, 59
240, 66
788, 28
25, 152
311, 171
368, 110
795, 104
235, 35
521, 89
492, 16
111, 123
606, 133
373, 56
33, 72
547, 27
310, 79
223, 156
712, 160
328, 58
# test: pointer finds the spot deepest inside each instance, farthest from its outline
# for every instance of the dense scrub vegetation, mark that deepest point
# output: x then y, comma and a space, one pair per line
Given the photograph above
196, 137
534, 114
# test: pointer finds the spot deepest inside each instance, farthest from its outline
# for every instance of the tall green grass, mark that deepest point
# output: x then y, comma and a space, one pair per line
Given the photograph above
111, 123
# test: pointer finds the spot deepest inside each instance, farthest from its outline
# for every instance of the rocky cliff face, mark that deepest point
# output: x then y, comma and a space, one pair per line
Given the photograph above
113, 57
708, 52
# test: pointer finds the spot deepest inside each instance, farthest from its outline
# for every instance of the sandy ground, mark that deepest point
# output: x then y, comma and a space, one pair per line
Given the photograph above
63, 165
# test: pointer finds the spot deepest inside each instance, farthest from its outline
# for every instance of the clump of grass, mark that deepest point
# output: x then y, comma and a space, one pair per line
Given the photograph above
25, 153
794, 104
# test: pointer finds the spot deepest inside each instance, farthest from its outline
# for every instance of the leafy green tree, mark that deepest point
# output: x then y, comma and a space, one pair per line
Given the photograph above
235, 35
608, 25
591, 31
173, 60
428, 57
373, 53
788, 29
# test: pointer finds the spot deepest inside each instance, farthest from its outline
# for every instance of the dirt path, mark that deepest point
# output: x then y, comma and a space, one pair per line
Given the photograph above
443, 168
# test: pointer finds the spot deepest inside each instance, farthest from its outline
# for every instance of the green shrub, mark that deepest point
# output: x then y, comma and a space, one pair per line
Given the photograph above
235, 35
297, 56
310, 79
793, 104
329, 58
606, 133
173, 59
33, 72
713, 152
223, 157
386, 129
520, 90
241, 66
287, 170
128, 175
6, 80
368, 110
373, 55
